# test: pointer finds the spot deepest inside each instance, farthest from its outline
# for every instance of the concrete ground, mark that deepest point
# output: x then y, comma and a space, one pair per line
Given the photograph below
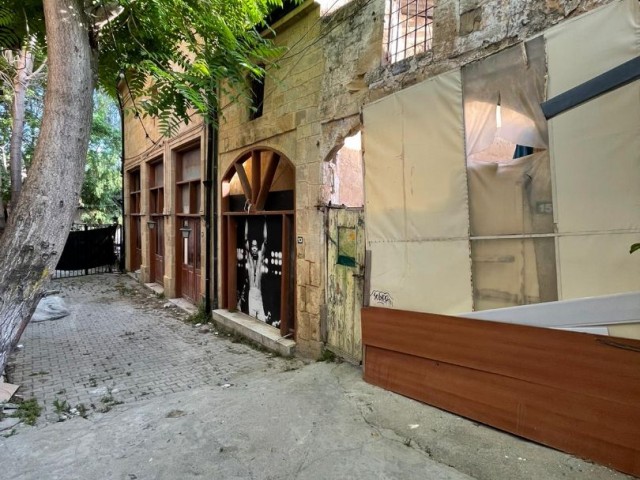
168, 402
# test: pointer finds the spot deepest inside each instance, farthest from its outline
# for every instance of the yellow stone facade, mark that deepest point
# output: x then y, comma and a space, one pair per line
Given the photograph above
144, 144
332, 66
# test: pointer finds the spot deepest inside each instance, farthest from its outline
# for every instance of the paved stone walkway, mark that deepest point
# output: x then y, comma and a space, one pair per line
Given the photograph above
121, 345
236, 413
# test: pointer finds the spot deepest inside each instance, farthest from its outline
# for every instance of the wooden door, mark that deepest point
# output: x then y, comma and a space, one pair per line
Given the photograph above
190, 269
136, 242
135, 222
188, 203
157, 251
156, 209
346, 253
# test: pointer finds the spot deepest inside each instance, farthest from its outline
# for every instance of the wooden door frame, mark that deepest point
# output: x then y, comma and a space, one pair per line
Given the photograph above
156, 215
158, 218
134, 198
180, 219
176, 183
135, 229
256, 200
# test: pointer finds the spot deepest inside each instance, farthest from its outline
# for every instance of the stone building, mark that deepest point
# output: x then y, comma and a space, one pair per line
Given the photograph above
346, 180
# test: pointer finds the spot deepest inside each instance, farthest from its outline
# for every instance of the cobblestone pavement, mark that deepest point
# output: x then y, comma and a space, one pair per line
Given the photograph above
121, 345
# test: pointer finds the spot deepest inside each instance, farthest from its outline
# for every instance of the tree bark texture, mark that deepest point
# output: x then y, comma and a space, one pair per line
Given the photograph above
3, 171
20, 83
40, 222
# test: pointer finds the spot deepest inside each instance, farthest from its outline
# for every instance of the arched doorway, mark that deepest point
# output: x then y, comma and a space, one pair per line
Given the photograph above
258, 258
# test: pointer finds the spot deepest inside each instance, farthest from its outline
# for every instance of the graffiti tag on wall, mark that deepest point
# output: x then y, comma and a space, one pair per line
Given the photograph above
382, 298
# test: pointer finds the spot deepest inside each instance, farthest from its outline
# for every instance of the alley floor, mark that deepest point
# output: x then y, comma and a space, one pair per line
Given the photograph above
165, 399
121, 341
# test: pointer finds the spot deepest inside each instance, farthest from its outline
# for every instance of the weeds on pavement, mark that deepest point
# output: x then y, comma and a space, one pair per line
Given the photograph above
327, 356
28, 411
201, 316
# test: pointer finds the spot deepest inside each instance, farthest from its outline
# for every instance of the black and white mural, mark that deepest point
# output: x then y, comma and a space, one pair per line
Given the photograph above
259, 274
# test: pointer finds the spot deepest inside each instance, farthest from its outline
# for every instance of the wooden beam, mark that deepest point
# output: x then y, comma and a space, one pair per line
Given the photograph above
224, 297
265, 187
255, 175
285, 294
244, 180
232, 263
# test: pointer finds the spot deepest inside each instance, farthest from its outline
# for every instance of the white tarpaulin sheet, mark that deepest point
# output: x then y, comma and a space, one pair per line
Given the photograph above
595, 151
416, 198
586, 202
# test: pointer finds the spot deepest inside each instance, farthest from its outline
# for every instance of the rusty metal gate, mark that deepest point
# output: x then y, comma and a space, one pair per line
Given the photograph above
345, 274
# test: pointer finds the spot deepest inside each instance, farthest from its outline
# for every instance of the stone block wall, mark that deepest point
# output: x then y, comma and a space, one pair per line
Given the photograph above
144, 143
313, 98
290, 124
467, 30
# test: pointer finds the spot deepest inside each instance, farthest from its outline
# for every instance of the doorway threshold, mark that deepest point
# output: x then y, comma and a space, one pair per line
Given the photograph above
256, 331
185, 305
156, 287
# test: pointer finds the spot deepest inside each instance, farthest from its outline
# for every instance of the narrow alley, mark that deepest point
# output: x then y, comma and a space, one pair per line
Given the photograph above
166, 399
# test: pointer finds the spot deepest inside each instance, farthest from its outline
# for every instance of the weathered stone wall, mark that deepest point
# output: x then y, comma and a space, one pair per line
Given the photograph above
313, 101
467, 30
290, 124
352, 47
144, 143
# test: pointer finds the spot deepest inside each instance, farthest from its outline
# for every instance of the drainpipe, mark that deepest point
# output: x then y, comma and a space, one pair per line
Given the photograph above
211, 209
215, 211
123, 242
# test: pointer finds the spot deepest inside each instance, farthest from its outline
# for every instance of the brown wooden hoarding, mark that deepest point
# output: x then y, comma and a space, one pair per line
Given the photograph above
576, 392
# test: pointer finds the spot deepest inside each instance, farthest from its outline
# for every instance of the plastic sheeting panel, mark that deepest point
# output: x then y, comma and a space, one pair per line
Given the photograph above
421, 276
589, 45
596, 154
598, 265
595, 151
502, 100
416, 198
511, 272
511, 198
415, 179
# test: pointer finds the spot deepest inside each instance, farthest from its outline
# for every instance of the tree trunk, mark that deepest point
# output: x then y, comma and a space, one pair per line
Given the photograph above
3, 171
20, 83
40, 222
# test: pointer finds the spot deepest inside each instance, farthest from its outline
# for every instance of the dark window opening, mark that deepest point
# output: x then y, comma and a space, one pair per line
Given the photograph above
257, 97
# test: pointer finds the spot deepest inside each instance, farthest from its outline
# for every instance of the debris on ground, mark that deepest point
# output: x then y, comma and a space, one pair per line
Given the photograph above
50, 308
7, 390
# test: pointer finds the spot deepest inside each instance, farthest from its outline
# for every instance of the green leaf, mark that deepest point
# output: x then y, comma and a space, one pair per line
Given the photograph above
634, 247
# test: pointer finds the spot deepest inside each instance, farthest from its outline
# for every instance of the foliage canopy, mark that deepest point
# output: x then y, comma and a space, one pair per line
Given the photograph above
169, 55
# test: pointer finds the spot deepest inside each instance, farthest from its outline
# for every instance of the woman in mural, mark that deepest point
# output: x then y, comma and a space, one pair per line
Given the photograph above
254, 264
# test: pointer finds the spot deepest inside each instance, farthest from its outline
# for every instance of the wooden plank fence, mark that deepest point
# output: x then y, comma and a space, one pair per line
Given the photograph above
576, 392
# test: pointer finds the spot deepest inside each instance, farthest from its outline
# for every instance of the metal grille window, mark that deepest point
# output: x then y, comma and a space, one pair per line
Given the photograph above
409, 28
